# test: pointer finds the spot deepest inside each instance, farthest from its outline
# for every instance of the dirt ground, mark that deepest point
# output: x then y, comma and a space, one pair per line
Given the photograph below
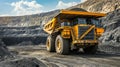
73, 60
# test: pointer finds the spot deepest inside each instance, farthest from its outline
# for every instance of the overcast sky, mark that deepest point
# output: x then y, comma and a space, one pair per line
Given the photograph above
27, 7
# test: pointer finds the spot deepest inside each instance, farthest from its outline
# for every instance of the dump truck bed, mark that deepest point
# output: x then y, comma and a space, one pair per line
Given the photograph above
72, 14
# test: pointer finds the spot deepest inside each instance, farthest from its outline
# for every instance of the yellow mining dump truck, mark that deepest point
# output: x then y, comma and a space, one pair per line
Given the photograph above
71, 30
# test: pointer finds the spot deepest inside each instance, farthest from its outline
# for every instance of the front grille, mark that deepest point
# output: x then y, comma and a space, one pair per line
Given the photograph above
83, 29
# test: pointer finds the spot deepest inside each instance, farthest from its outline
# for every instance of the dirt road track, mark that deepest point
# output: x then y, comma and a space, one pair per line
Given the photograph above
73, 60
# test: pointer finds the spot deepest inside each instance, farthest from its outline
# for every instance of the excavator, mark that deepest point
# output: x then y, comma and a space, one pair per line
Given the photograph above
71, 30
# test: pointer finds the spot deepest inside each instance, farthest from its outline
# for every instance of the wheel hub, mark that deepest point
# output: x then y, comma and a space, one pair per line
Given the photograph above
48, 44
59, 45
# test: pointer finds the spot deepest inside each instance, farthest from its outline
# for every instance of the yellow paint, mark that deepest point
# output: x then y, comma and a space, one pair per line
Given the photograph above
66, 32
99, 31
49, 27
75, 31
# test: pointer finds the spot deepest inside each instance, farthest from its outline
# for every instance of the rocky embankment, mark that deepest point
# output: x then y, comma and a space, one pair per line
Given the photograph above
111, 23
110, 40
22, 35
103, 6
28, 20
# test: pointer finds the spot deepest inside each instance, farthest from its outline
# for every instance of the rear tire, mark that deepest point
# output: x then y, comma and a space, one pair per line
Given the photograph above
91, 49
62, 45
50, 44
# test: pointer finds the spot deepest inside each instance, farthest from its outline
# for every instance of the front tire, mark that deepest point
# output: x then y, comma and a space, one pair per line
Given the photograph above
50, 44
62, 45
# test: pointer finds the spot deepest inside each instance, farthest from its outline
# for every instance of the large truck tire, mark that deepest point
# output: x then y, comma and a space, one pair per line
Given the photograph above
91, 49
62, 45
50, 44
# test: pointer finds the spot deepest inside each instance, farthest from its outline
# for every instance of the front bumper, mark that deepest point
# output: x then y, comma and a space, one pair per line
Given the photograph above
85, 41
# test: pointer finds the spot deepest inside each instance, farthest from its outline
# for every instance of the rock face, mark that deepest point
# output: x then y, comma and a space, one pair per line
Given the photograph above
103, 6
28, 20
110, 40
111, 23
32, 35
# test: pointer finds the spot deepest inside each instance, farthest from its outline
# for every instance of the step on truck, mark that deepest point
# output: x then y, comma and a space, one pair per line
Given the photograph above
71, 30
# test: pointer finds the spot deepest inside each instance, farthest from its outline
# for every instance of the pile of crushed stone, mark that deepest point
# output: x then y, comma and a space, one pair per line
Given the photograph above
4, 52
111, 23
110, 40
23, 62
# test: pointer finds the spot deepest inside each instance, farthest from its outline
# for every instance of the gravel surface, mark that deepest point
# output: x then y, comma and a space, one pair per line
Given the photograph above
73, 60
24, 62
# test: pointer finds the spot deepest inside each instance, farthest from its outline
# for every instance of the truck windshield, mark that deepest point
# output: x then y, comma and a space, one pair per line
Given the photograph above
81, 21
96, 22
90, 21
65, 24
